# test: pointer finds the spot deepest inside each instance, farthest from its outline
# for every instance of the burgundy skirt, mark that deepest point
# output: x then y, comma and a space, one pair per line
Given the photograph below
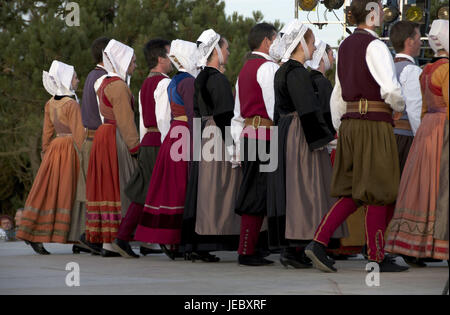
162, 219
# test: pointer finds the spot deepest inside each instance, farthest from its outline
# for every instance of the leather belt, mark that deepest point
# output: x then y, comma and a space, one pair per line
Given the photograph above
364, 106
90, 134
258, 121
181, 118
402, 124
152, 129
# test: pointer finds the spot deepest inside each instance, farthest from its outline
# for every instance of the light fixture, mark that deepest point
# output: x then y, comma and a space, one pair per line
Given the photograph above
414, 14
308, 5
349, 17
443, 13
390, 14
333, 4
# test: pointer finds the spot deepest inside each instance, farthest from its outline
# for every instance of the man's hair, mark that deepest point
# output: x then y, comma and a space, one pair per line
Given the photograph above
359, 11
258, 33
400, 32
97, 48
154, 49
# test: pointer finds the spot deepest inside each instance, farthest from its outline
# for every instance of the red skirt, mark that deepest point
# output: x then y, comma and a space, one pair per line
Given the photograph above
162, 219
102, 188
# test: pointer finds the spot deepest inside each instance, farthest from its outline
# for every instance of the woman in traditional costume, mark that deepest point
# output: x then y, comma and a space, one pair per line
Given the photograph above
115, 142
162, 218
47, 213
209, 221
303, 178
420, 224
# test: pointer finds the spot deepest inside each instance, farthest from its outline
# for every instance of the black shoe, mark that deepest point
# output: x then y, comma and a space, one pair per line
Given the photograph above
262, 253
108, 253
148, 251
38, 248
317, 253
388, 265
296, 259
172, 253
414, 262
96, 249
76, 249
253, 260
203, 256
124, 248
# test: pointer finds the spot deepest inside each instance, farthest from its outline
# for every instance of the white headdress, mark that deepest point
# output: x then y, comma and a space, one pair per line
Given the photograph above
117, 58
208, 41
58, 80
184, 54
438, 36
295, 34
278, 48
319, 54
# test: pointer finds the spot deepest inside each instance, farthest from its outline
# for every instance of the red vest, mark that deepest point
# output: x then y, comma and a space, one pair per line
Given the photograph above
148, 103
250, 92
356, 80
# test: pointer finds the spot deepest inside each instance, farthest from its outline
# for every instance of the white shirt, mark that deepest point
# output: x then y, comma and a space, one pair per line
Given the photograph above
410, 82
381, 66
265, 78
162, 109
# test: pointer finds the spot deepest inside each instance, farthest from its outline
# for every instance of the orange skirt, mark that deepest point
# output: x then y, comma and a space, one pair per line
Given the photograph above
413, 224
103, 188
47, 212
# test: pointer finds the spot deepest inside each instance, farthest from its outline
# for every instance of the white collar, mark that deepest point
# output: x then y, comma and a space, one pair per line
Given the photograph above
405, 56
373, 33
263, 55
102, 67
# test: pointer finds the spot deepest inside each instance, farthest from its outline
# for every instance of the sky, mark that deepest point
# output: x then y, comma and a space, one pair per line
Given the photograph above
283, 10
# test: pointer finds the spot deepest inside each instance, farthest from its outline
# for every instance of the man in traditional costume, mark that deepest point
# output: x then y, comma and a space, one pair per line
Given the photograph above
420, 225
46, 217
366, 171
154, 125
253, 117
116, 140
405, 37
91, 121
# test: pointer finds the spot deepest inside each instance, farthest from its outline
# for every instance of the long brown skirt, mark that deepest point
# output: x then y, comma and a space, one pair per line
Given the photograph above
218, 185
366, 166
308, 181
47, 212
412, 227
442, 221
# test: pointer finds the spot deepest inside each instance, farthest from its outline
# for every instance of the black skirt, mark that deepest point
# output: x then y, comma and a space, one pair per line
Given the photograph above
276, 190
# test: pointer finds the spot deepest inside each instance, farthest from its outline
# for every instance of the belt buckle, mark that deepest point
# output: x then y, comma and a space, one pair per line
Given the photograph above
256, 126
366, 109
